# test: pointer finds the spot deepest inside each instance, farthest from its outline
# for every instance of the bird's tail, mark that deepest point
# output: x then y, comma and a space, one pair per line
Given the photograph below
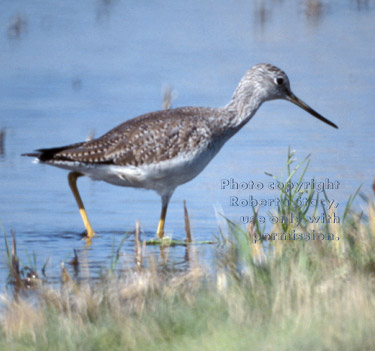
45, 155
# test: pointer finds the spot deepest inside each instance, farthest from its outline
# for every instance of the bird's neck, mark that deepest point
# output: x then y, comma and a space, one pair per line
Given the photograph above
242, 107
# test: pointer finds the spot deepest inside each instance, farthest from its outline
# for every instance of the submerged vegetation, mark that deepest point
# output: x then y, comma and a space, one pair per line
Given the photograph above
260, 293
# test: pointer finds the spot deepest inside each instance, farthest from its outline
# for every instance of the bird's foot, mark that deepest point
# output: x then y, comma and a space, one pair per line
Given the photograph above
88, 235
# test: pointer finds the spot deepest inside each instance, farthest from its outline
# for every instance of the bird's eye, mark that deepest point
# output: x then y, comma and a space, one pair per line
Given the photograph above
279, 81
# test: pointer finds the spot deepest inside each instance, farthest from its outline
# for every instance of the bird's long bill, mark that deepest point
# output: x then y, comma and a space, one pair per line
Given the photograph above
300, 103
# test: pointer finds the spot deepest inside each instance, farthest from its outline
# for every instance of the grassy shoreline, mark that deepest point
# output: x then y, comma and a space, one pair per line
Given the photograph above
259, 295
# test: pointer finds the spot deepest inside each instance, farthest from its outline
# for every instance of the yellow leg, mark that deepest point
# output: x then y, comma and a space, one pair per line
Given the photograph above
165, 200
160, 231
72, 178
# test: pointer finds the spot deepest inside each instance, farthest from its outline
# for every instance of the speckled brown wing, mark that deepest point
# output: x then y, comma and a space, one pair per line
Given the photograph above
150, 138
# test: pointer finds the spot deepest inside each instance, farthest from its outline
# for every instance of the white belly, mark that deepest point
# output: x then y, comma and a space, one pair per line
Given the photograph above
162, 177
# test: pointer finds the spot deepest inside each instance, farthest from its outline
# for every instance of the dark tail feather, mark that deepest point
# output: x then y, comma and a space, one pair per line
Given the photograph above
32, 154
44, 155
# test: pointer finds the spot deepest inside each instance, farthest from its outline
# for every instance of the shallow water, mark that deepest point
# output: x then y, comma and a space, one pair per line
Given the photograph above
75, 68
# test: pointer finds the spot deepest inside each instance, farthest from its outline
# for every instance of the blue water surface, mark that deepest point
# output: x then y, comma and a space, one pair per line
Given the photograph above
74, 68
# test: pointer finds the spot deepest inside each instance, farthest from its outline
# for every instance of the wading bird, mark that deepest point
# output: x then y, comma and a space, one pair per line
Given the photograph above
164, 149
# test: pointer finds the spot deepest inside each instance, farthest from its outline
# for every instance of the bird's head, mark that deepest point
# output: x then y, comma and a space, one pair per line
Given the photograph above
264, 82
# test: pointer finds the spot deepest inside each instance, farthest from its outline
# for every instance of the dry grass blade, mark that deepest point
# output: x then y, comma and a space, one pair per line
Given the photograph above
251, 228
167, 98
17, 27
137, 244
66, 279
15, 268
187, 224
75, 262
91, 135
2, 140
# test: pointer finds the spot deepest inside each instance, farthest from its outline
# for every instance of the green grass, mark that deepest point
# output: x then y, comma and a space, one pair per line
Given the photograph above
270, 295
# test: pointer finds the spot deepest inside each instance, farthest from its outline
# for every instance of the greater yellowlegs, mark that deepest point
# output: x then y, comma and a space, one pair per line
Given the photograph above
164, 149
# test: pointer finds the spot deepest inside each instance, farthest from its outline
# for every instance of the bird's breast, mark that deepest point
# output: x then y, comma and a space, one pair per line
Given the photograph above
162, 176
